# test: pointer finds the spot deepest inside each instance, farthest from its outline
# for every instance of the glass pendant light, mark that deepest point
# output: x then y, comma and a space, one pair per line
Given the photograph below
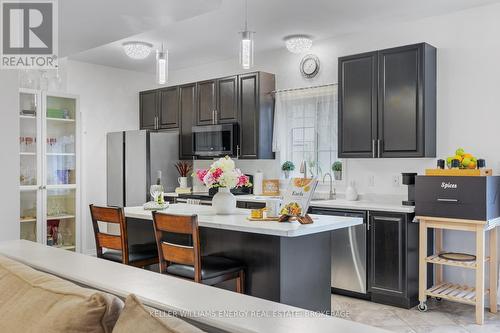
246, 44
161, 65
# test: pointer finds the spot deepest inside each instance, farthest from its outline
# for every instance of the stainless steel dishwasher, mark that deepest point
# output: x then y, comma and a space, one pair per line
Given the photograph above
349, 254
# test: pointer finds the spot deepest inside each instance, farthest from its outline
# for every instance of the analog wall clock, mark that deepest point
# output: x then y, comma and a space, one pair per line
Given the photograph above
309, 66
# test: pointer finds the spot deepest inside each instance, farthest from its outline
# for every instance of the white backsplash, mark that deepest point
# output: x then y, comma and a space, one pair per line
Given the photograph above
373, 178
270, 169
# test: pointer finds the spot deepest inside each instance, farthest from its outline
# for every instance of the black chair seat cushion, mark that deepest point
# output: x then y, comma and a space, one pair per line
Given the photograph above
211, 267
137, 252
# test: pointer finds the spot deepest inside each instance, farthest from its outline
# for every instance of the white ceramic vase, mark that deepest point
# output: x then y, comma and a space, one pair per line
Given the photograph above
350, 193
183, 182
224, 202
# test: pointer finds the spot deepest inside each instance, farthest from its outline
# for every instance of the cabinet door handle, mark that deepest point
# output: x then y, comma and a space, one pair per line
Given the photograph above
387, 218
378, 148
216, 116
447, 200
213, 117
373, 148
237, 151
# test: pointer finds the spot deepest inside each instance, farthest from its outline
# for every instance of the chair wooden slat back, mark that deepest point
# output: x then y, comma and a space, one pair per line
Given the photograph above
103, 240
175, 253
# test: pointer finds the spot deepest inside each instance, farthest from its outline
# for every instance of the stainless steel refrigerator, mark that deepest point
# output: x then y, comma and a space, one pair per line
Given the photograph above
133, 161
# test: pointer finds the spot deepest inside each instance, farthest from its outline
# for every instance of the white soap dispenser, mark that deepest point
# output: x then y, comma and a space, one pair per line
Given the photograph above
350, 193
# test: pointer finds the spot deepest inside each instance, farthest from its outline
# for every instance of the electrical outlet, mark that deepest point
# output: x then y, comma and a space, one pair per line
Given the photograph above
371, 180
396, 181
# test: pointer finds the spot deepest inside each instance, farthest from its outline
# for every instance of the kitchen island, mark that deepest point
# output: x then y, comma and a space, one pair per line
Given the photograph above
286, 262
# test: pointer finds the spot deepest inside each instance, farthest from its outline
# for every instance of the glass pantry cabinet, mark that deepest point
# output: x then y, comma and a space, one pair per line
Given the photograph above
49, 149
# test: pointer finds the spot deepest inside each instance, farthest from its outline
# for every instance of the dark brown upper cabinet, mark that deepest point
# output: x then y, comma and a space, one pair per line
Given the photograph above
159, 109
206, 102
243, 99
169, 108
148, 108
187, 106
387, 103
227, 99
358, 102
256, 114
217, 101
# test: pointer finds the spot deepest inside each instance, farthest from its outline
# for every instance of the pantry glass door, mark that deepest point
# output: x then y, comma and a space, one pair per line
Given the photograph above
60, 167
30, 171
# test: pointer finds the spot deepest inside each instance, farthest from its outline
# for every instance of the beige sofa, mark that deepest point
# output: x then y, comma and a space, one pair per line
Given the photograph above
32, 301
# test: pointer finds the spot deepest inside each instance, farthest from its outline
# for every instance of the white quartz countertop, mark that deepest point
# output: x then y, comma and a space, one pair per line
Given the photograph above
384, 206
239, 222
363, 205
212, 306
374, 204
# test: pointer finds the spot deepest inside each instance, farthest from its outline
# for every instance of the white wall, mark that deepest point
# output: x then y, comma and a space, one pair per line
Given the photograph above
109, 101
9, 148
468, 45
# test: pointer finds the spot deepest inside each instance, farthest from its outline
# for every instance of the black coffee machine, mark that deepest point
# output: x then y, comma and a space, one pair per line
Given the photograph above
409, 179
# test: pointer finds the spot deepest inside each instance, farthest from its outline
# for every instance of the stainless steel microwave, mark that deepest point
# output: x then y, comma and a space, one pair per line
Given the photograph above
215, 140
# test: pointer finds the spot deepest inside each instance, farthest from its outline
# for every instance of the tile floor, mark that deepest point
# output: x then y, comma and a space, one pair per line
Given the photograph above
442, 317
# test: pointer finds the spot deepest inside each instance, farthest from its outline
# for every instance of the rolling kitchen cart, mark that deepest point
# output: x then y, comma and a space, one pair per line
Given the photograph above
454, 292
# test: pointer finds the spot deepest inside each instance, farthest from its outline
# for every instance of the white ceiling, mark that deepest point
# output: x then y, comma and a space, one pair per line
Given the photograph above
204, 31
87, 24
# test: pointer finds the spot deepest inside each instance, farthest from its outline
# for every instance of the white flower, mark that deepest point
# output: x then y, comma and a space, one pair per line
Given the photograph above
229, 179
225, 163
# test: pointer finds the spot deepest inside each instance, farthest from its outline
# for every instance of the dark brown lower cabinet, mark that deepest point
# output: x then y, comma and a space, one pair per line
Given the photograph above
394, 259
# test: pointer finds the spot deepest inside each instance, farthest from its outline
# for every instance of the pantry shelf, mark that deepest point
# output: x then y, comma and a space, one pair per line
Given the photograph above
61, 120
61, 217
60, 154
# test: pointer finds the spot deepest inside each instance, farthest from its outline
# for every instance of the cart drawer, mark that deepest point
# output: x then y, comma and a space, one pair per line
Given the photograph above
475, 198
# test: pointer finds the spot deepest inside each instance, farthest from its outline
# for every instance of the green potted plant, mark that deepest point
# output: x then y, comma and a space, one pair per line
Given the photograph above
337, 170
287, 167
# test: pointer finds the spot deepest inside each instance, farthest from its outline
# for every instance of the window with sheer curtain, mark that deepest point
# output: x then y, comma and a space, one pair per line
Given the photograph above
305, 128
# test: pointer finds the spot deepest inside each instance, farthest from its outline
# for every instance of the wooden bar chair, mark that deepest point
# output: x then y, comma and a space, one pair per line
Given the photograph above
185, 260
116, 246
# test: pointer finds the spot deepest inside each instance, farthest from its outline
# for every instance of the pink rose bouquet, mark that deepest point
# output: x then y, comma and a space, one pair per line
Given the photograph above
223, 173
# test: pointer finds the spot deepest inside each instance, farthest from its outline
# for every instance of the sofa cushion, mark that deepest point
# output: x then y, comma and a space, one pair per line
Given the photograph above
32, 301
136, 318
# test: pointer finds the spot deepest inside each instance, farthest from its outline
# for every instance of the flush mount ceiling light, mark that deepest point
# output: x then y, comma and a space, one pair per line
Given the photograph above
137, 50
298, 43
